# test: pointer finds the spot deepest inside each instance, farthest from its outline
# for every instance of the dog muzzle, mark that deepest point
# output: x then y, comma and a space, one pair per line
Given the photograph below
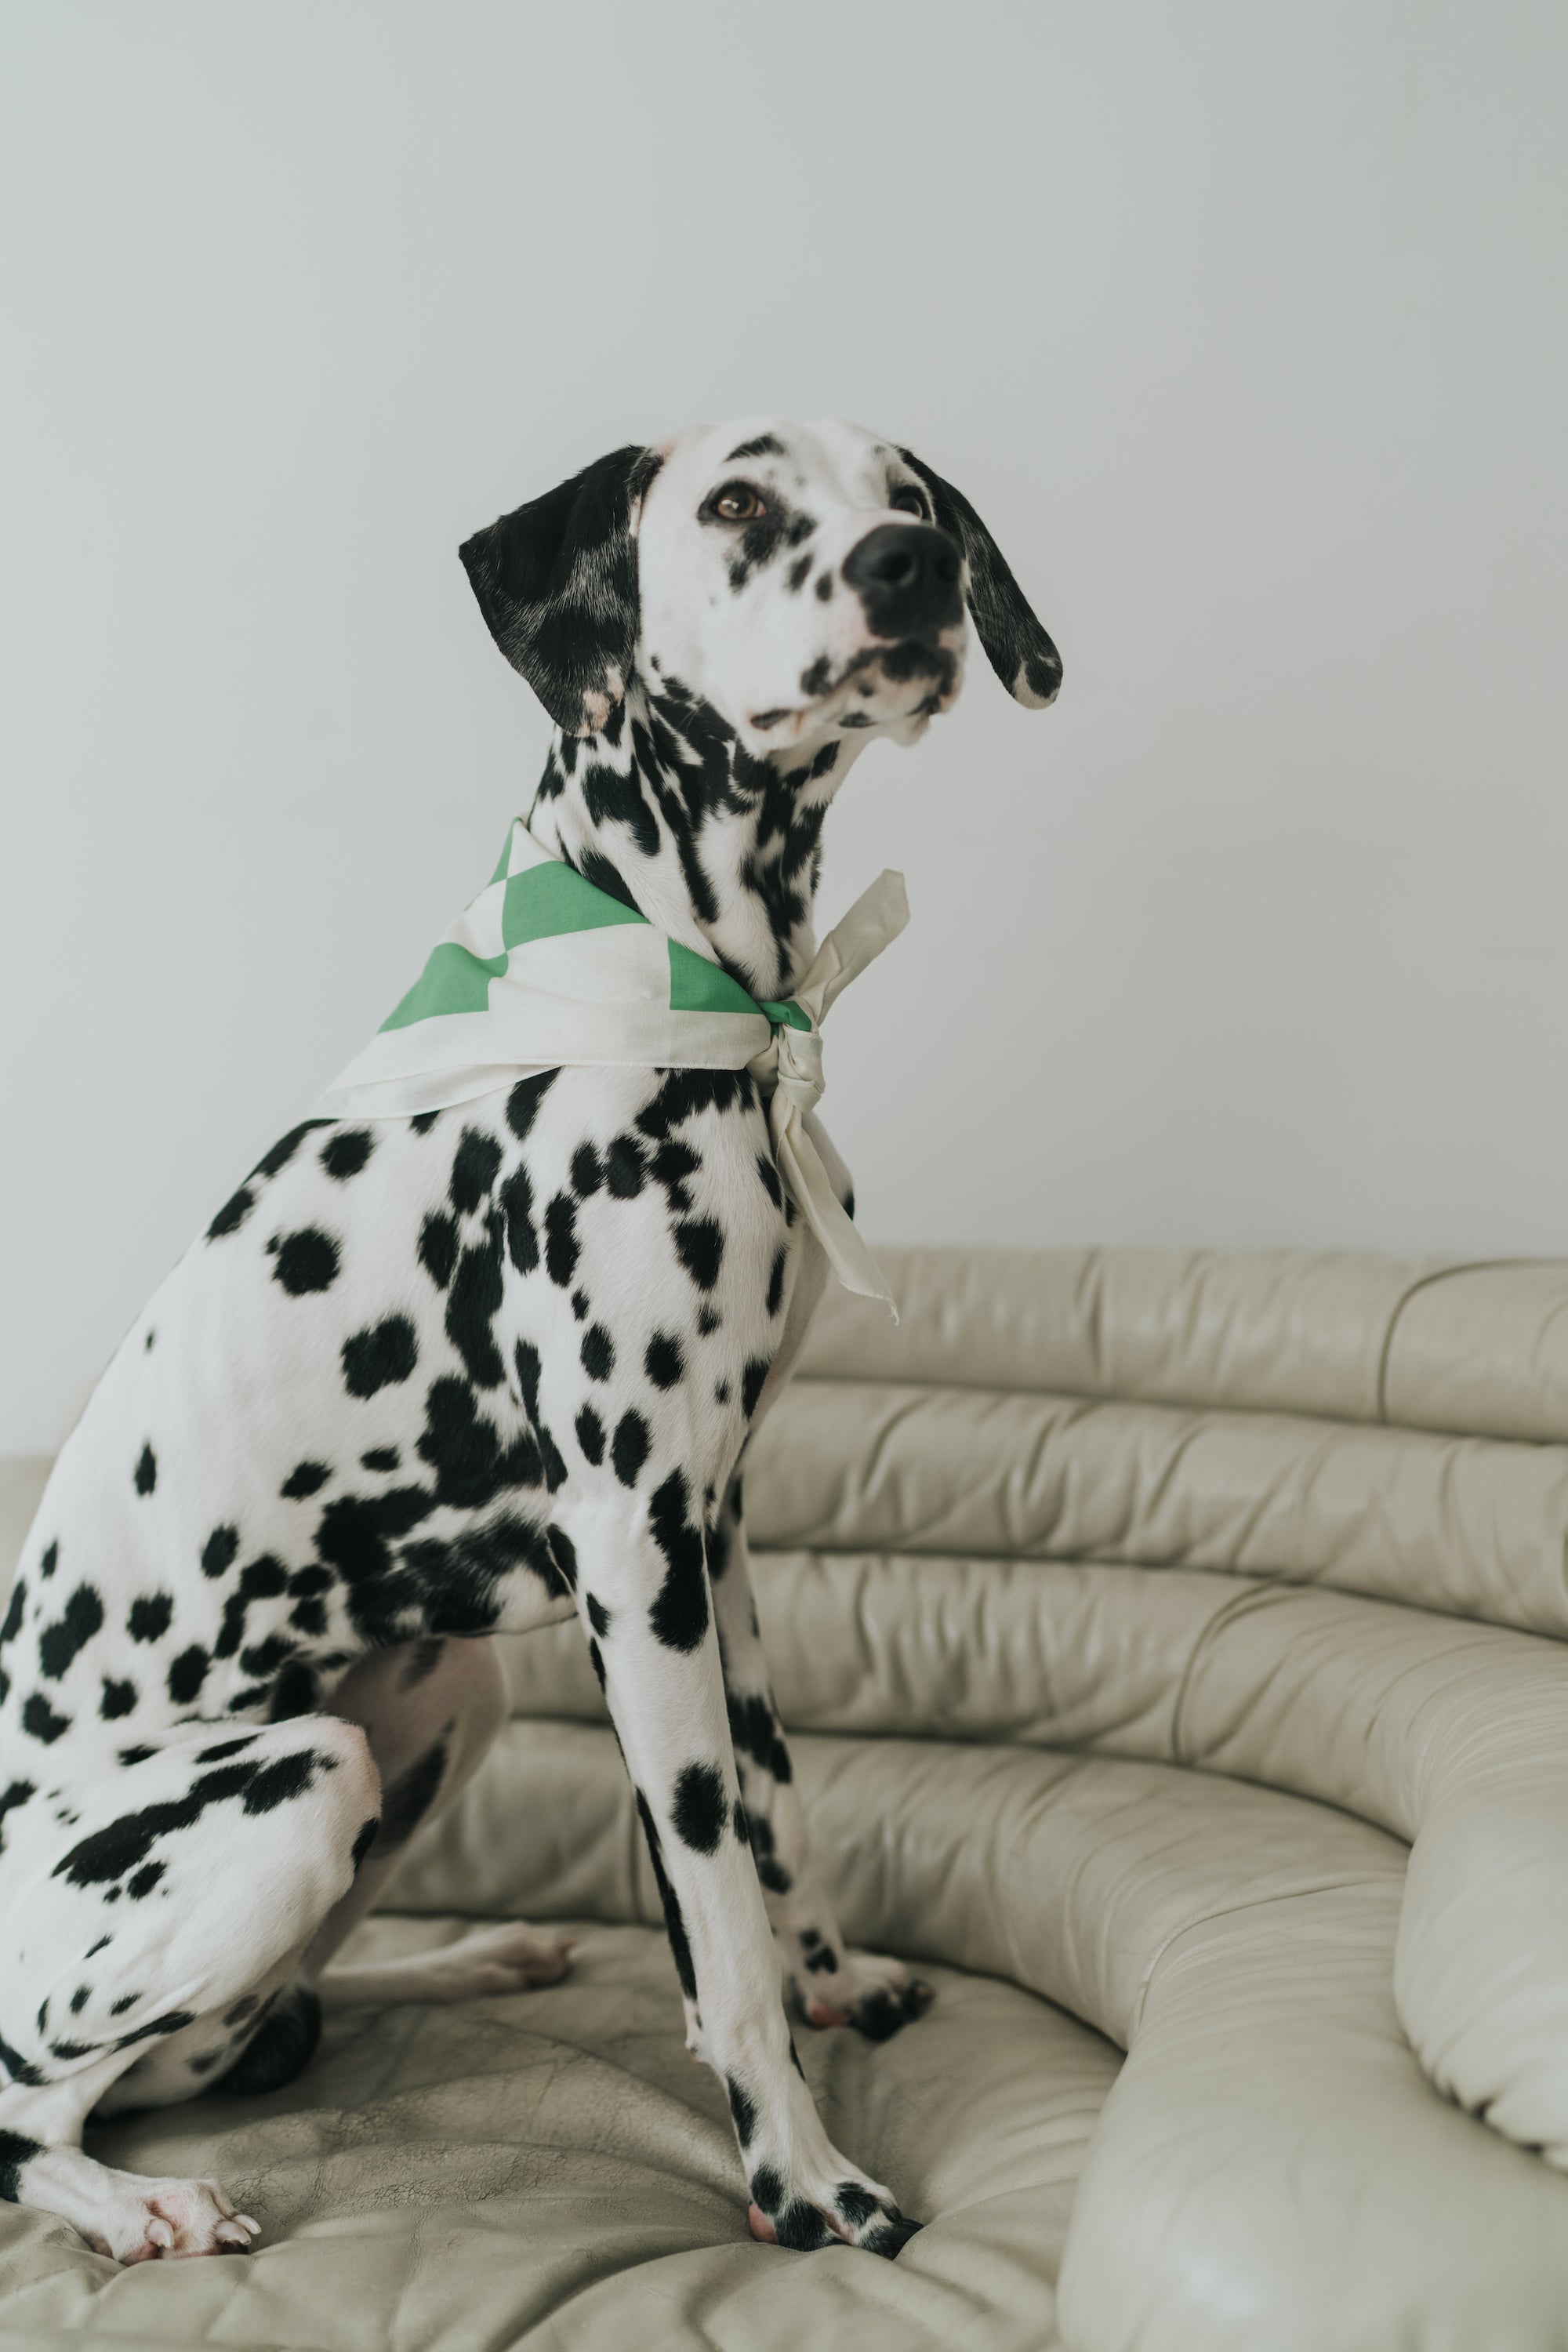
543, 971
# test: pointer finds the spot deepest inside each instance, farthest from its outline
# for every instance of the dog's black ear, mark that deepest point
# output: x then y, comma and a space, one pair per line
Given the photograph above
557, 584
1016, 647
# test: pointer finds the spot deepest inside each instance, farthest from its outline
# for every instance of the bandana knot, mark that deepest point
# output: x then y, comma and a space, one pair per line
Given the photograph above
545, 970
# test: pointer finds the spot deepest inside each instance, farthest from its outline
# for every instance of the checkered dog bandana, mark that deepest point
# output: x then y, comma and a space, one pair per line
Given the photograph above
544, 970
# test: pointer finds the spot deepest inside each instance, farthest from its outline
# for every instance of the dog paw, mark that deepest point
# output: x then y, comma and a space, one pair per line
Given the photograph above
850, 2212
170, 2221
875, 1994
496, 1961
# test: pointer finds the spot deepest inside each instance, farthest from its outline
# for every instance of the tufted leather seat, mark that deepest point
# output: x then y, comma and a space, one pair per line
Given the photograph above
1172, 1646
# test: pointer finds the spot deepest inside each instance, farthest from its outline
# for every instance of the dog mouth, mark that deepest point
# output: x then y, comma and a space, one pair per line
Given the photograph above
913, 662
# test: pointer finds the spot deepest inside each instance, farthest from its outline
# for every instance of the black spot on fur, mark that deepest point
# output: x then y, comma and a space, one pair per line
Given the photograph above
146, 1476
565, 1553
598, 1354
613, 796
743, 2111
528, 1368
305, 1478
124, 1844
766, 444
20, 2069
561, 1240
439, 1247
683, 1093
522, 1103
474, 1304
16, 1794
754, 1732
588, 1172
295, 1693
670, 1166
19, 1602
380, 1358
363, 1843
699, 1808
801, 2227
140, 1885
678, 1616
464, 1450
825, 586
61, 1642
599, 871
423, 1120
629, 1447
232, 1214
591, 1435
49, 1560
881, 2015
598, 1615
187, 1673
624, 1168
770, 1870
283, 1150
767, 2189
597, 1663
663, 1361
380, 1458
281, 2048
795, 577
344, 1154
699, 1245
474, 1170
517, 1207
674, 1923
776, 1280
220, 1547
306, 1261
17, 2151
148, 1617
752, 1381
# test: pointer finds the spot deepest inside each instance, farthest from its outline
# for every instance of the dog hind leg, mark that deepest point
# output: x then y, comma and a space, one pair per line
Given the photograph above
149, 1955
429, 1710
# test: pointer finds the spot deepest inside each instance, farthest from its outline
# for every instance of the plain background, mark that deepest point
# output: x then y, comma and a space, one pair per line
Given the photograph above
1241, 323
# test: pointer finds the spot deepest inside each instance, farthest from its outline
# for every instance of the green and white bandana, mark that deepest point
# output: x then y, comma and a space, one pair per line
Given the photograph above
543, 971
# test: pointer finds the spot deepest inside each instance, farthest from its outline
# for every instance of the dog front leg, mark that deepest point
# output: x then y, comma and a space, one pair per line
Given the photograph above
643, 1595
869, 1991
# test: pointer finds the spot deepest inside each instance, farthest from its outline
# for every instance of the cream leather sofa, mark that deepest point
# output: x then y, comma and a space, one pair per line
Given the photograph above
1174, 1646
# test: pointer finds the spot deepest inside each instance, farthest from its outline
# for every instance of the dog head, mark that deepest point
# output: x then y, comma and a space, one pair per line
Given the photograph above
806, 582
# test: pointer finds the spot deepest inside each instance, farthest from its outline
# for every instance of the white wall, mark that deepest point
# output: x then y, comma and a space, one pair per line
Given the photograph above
1241, 323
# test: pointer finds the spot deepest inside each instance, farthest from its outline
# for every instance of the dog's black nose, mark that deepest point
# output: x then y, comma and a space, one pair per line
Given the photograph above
906, 574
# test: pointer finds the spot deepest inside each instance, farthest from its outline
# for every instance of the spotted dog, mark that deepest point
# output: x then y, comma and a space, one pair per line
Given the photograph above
425, 1380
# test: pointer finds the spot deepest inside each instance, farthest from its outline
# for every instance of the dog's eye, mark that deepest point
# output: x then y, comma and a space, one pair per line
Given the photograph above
736, 502
909, 500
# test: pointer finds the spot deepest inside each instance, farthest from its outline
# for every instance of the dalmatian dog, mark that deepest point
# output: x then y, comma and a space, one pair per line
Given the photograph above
428, 1378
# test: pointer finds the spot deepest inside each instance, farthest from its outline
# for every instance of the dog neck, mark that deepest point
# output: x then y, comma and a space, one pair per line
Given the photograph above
664, 810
